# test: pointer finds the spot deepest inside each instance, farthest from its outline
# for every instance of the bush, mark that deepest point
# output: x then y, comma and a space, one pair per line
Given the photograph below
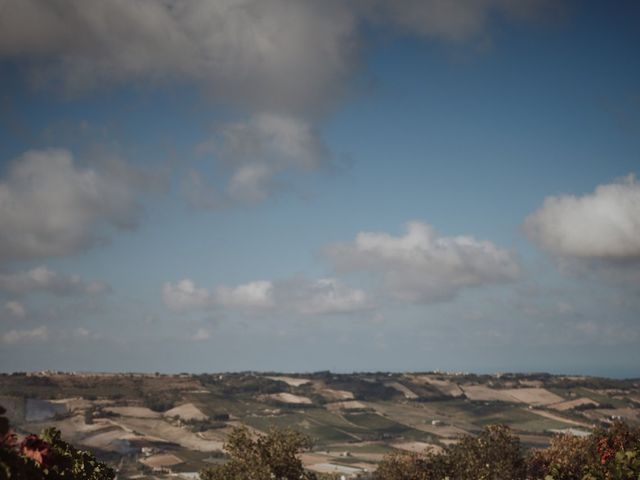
495, 454
159, 403
46, 457
612, 454
265, 457
413, 466
565, 459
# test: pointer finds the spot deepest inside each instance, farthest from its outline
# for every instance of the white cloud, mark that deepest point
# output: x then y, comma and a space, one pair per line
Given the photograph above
258, 294
280, 140
200, 335
320, 297
422, 266
266, 54
269, 55
251, 183
294, 296
255, 155
41, 279
283, 62
15, 309
50, 207
36, 335
604, 225
184, 296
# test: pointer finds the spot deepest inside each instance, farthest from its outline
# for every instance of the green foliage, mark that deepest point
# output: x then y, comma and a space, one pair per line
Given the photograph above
239, 384
496, 454
265, 457
202, 425
612, 454
161, 402
493, 455
615, 453
413, 466
46, 457
565, 459
370, 389
593, 383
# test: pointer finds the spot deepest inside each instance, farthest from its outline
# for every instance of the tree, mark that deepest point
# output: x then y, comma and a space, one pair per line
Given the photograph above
612, 454
615, 453
46, 457
495, 454
263, 457
413, 466
566, 458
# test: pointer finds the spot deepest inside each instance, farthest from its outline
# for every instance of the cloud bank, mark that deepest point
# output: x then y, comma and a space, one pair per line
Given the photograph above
184, 296
603, 225
298, 296
266, 54
282, 63
321, 297
35, 335
423, 266
253, 157
258, 294
51, 207
269, 55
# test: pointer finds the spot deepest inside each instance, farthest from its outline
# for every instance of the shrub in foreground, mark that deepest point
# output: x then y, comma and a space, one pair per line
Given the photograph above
612, 454
262, 457
46, 457
496, 454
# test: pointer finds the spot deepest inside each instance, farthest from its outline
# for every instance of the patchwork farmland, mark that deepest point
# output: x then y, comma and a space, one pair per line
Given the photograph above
154, 425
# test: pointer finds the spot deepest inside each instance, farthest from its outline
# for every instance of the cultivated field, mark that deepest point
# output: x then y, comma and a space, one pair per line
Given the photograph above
533, 396
179, 423
285, 397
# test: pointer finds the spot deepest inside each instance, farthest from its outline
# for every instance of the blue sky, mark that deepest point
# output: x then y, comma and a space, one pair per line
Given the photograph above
291, 185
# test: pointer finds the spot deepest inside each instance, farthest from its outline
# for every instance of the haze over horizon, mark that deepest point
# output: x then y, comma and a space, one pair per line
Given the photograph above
303, 186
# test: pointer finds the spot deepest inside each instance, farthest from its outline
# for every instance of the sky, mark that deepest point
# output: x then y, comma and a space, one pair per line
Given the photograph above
280, 185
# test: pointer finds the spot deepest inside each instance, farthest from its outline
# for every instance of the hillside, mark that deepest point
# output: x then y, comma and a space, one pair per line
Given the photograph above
145, 423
